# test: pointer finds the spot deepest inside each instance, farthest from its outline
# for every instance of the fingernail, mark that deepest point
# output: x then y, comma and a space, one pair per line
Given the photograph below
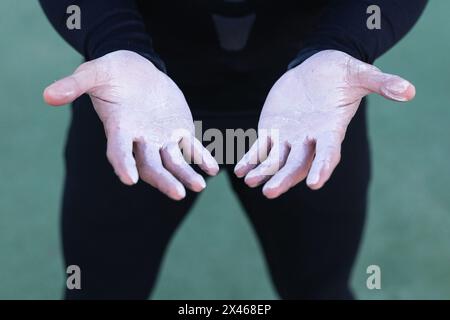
238, 167
397, 89
60, 90
237, 170
181, 191
135, 177
397, 86
269, 192
215, 169
314, 179
202, 183
249, 183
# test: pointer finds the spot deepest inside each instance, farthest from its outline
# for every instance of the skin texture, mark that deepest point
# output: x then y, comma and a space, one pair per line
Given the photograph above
305, 118
146, 119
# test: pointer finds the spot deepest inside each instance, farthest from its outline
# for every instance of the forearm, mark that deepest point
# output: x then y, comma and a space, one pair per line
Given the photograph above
106, 26
343, 27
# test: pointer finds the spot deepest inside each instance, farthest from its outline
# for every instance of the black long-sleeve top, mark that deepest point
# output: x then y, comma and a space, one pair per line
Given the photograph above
233, 49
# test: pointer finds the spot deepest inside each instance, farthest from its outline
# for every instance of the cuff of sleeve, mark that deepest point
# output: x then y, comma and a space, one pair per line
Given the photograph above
306, 53
121, 30
339, 41
143, 51
303, 55
331, 44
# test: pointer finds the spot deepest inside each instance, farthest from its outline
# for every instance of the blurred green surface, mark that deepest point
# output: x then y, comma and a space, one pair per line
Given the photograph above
215, 254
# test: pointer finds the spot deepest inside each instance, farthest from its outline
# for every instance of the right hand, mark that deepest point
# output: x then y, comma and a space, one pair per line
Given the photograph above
145, 113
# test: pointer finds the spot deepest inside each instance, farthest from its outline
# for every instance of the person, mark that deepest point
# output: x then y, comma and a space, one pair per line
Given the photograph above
154, 66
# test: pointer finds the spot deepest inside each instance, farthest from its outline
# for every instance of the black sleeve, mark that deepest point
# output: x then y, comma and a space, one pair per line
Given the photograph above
343, 26
106, 26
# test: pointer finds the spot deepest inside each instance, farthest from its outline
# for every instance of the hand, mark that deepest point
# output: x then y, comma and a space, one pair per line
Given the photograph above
305, 117
143, 111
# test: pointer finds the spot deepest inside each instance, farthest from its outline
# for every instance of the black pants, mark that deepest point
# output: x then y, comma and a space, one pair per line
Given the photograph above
118, 234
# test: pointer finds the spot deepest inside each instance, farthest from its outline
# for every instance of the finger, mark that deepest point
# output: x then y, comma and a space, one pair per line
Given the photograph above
152, 171
397, 89
387, 85
66, 90
294, 171
276, 160
328, 155
193, 150
120, 154
174, 161
257, 153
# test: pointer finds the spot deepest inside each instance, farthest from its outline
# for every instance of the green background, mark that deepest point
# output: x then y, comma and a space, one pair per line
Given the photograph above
215, 254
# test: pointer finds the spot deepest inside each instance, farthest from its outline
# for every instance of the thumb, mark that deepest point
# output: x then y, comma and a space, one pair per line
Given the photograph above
67, 89
387, 85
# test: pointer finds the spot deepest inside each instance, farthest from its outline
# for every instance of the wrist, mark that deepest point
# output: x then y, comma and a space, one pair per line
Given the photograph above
146, 54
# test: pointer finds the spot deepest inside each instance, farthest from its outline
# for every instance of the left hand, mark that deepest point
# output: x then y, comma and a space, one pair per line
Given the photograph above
305, 117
